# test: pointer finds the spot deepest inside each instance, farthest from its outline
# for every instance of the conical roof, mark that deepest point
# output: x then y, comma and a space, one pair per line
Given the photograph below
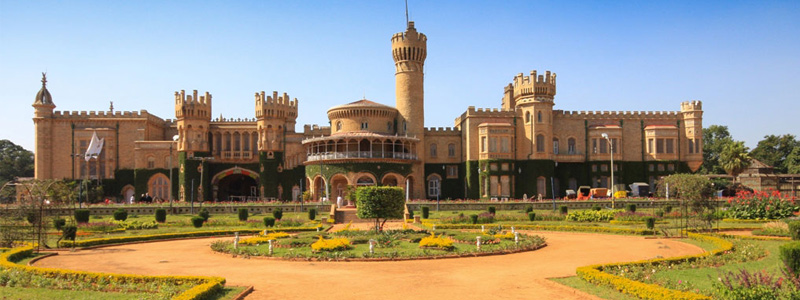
43, 96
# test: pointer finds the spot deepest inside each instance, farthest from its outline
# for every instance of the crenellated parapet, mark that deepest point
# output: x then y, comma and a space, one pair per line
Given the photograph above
275, 106
442, 131
316, 130
694, 105
617, 115
192, 106
473, 112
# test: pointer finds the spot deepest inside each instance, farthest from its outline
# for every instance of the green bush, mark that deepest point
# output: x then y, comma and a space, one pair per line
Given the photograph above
591, 215
650, 222
564, 209
312, 214
474, 219
492, 210
380, 202
68, 232
269, 222
790, 255
596, 208
426, 211
411, 214
794, 230
667, 209
161, 215
243, 214
82, 215
531, 216
660, 213
277, 213
58, 223
30, 217
204, 214
120, 214
197, 221
528, 209
630, 207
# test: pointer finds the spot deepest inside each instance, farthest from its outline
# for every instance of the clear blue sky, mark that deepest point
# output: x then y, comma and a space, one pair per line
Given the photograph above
742, 59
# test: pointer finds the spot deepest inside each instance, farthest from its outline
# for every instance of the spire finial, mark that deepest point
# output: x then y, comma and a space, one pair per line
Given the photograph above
406, 12
44, 79
111, 108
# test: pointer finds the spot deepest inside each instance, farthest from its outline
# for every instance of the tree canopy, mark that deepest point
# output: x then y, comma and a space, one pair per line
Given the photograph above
380, 202
715, 137
734, 158
774, 150
15, 161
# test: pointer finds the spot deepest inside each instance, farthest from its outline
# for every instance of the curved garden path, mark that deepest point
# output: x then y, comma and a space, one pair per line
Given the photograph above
513, 276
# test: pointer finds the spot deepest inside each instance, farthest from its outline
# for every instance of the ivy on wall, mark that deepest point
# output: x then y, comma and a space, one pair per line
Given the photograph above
376, 169
451, 188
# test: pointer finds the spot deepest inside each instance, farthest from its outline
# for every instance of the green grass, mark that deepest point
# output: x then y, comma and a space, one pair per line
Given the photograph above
599, 291
42, 293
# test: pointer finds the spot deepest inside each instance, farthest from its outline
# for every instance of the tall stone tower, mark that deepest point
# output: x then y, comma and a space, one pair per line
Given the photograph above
43, 124
193, 114
409, 50
532, 97
692, 153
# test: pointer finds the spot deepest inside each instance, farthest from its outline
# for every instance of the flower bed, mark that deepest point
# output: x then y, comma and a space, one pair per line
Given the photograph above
334, 244
595, 274
154, 237
203, 288
578, 228
762, 205
437, 242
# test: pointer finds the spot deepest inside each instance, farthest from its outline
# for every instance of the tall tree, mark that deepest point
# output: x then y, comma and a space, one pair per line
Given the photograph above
773, 150
734, 158
715, 137
15, 161
793, 161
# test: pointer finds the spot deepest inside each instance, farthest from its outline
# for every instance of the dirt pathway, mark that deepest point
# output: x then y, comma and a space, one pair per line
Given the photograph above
514, 276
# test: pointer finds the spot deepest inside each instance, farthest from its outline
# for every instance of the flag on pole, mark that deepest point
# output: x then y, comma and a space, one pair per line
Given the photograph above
95, 147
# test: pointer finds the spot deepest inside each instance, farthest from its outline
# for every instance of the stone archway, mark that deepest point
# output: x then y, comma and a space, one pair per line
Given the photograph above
339, 185
235, 184
392, 179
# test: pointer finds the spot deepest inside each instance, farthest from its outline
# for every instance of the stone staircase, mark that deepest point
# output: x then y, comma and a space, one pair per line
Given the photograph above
346, 215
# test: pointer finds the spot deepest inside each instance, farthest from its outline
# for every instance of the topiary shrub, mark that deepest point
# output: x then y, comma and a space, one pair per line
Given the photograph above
564, 209
668, 209
596, 208
474, 219
528, 209
790, 255
630, 207
120, 214
269, 222
197, 221
82, 215
59, 223
204, 214
531, 216
492, 210
411, 214
380, 202
278, 213
30, 217
243, 214
650, 222
312, 214
69, 232
794, 230
426, 212
660, 213
161, 215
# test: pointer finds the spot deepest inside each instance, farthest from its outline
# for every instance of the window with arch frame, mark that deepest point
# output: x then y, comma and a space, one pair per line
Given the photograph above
451, 150
339, 126
434, 186
433, 150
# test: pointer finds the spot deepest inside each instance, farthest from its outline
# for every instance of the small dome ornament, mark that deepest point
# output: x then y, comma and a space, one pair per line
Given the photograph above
43, 96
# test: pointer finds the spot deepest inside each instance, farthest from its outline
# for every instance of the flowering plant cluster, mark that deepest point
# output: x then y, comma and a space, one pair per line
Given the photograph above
335, 244
592, 215
762, 205
505, 235
263, 239
438, 242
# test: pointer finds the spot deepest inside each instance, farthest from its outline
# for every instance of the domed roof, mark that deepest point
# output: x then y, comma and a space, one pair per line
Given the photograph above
43, 96
363, 103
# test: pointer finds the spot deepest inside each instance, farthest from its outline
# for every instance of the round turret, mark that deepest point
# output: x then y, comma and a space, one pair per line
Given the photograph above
363, 115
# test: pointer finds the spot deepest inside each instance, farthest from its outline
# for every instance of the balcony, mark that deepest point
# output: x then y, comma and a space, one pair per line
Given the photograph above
361, 154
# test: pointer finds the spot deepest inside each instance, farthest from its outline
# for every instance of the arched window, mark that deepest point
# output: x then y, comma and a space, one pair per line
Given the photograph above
555, 146
571, 146
365, 180
388, 126
364, 125
151, 162
451, 150
527, 117
434, 186
539, 117
541, 186
339, 126
433, 150
540, 143
158, 186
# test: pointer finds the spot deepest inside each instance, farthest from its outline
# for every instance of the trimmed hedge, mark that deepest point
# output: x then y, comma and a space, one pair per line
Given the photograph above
243, 214
120, 214
790, 255
161, 215
595, 274
426, 211
204, 214
165, 236
531, 216
205, 288
312, 214
277, 213
794, 230
577, 228
269, 222
82, 215
197, 221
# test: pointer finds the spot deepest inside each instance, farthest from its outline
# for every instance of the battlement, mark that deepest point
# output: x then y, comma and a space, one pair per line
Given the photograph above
616, 114
410, 35
192, 105
691, 105
275, 106
534, 85
442, 131
222, 119
316, 130
100, 114
473, 112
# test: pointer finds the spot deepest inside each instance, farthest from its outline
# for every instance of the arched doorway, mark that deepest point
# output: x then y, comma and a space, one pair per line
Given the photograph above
319, 188
235, 184
390, 180
338, 186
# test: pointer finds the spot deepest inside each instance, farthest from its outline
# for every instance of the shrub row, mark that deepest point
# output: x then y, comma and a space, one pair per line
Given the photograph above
164, 236
595, 274
577, 228
204, 288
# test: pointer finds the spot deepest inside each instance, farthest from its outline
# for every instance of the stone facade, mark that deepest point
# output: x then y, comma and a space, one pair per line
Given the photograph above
524, 148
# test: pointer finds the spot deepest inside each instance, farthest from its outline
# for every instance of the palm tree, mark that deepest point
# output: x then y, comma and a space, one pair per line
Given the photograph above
734, 158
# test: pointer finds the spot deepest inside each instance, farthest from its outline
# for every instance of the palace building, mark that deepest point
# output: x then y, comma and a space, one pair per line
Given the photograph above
525, 147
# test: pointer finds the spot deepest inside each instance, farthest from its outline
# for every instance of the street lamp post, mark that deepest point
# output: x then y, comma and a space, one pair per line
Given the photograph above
611, 145
174, 139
